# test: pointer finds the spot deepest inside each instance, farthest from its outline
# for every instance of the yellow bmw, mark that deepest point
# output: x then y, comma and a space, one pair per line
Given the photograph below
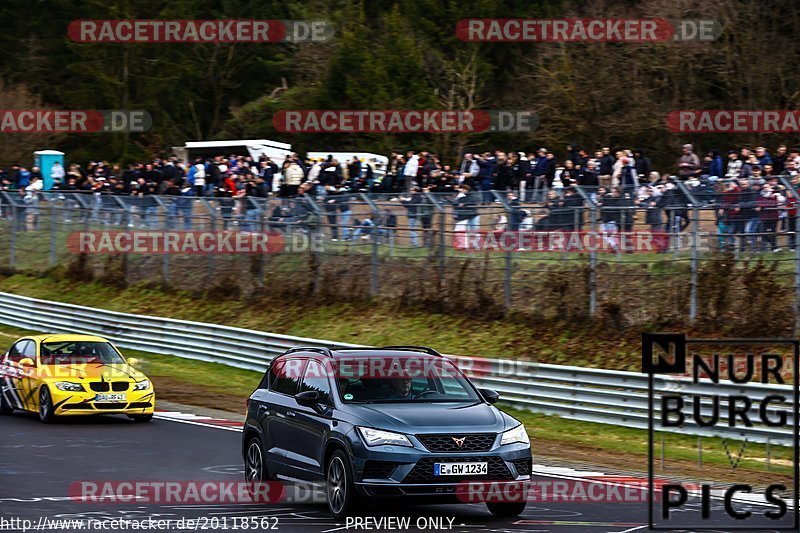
58, 375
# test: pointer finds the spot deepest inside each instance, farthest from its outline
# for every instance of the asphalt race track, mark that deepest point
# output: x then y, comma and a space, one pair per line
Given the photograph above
39, 463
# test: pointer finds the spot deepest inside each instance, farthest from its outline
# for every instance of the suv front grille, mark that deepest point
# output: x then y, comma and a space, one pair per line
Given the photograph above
423, 470
474, 442
378, 469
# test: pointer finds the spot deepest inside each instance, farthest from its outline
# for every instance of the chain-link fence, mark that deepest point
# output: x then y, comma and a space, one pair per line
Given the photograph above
724, 255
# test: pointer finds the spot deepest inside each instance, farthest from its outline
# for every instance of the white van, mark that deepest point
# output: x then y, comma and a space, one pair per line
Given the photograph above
255, 148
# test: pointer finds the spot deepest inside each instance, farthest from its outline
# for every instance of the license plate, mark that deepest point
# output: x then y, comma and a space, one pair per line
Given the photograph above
110, 398
460, 469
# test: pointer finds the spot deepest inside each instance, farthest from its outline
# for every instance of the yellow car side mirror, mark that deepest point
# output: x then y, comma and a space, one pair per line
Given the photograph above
26, 361
133, 361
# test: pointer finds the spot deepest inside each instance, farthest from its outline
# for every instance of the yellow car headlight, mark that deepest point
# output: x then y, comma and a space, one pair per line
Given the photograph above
142, 385
69, 386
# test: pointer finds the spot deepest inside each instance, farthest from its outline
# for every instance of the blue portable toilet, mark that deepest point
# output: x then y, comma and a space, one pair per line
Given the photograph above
44, 159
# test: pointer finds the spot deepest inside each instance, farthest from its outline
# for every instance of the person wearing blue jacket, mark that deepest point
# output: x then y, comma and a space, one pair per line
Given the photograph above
716, 168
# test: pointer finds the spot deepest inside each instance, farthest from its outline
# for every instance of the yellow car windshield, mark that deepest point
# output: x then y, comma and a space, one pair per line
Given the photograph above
88, 352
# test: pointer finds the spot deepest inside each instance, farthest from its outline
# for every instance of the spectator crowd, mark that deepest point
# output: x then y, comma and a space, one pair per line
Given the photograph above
746, 188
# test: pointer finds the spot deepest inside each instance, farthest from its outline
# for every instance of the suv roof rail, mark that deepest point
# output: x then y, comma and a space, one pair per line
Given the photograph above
319, 349
411, 347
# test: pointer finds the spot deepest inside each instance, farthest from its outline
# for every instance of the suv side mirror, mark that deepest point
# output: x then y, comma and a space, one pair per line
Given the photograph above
490, 395
26, 361
308, 398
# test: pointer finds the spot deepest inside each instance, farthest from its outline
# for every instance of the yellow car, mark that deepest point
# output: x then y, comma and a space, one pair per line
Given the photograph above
57, 375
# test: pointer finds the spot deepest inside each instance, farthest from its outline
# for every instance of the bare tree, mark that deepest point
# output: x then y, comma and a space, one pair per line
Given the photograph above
18, 147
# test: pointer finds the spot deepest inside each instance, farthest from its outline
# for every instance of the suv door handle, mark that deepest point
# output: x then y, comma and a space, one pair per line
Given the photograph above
290, 414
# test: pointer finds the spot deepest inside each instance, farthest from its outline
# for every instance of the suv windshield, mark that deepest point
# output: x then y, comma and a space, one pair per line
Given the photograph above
89, 352
387, 379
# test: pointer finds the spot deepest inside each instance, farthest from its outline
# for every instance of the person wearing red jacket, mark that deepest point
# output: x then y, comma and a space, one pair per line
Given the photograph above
767, 209
728, 220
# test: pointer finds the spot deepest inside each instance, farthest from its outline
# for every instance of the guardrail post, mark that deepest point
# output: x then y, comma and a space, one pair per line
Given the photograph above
593, 263
441, 253
261, 256
211, 259
507, 281
699, 451
374, 263
53, 235
165, 269
794, 228
694, 266
12, 249
589, 201
797, 283
508, 263
769, 455
442, 248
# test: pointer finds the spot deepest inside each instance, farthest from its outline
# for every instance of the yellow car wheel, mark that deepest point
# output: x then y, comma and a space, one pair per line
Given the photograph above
5, 409
46, 409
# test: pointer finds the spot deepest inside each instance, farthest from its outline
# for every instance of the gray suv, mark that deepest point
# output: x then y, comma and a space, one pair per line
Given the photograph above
395, 422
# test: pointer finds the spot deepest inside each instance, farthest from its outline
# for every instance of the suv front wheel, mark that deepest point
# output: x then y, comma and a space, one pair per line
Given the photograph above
340, 489
506, 509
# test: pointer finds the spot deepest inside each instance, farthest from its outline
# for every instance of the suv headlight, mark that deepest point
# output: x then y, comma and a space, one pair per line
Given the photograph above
69, 386
379, 437
142, 385
518, 434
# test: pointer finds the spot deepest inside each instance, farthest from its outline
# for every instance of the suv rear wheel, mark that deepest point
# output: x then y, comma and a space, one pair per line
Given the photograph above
255, 470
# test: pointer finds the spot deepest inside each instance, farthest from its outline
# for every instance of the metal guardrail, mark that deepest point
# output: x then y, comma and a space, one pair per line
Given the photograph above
583, 394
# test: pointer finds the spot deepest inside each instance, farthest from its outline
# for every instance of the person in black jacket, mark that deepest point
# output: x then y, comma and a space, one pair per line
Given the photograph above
573, 206
612, 210
643, 165
331, 210
675, 204
413, 205
503, 173
515, 213
749, 192
653, 203
612, 215
465, 210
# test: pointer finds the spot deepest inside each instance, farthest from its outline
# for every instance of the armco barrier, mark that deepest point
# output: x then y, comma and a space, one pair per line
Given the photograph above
585, 394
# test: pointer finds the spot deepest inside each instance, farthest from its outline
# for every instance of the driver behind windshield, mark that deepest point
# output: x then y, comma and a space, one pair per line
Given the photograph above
400, 388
